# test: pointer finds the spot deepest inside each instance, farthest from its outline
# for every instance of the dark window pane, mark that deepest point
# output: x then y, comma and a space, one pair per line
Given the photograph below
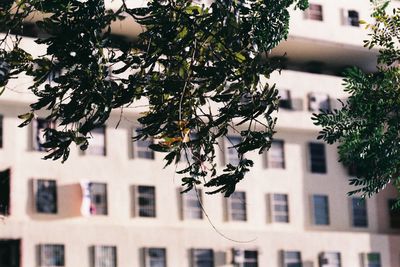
5, 192
51, 255
146, 201
353, 18
1, 131
39, 137
359, 208
317, 158
394, 214
321, 210
46, 196
156, 257
285, 101
203, 258
237, 206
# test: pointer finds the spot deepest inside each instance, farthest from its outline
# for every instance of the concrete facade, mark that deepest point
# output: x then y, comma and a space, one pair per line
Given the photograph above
327, 41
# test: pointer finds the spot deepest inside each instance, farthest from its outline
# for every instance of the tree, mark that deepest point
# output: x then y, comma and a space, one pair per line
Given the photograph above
189, 59
367, 126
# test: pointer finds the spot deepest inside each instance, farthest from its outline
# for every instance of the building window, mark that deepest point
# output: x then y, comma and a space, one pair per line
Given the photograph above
321, 209
104, 256
250, 258
202, 258
292, 259
45, 196
39, 126
318, 101
245, 258
97, 142
394, 213
10, 252
1, 131
359, 211
155, 257
140, 148
314, 12
352, 18
95, 198
146, 201
372, 260
276, 155
191, 204
5, 192
51, 255
285, 101
317, 158
237, 206
279, 208
329, 259
231, 153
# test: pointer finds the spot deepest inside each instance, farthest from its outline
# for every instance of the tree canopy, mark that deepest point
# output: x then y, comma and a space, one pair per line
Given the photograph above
199, 67
367, 126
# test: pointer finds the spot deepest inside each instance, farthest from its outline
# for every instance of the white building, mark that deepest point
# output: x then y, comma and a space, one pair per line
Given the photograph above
115, 205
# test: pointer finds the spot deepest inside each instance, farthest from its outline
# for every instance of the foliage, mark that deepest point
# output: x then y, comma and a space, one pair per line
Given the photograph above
199, 67
367, 126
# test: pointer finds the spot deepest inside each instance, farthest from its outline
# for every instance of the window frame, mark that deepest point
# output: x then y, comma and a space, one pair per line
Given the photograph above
326, 221
5, 177
349, 20
231, 154
43, 258
317, 162
139, 210
272, 161
38, 137
1, 130
52, 185
297, 260
322, 100
282, 203
94, 149
140, 148
285, 99
313, 14
238, 198
394, 215
367, 259
94, 206
324, 260
148, 257
195, 260
192, 197
356, 209
98, 255
250, 261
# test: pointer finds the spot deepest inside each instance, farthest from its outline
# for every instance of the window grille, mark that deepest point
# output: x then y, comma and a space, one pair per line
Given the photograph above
237, 206
146, 201
51, 255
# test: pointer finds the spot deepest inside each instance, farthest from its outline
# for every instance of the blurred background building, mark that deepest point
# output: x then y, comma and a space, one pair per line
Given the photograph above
115, 205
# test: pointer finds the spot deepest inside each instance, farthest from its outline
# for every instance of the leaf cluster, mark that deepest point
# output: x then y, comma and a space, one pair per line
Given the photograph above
367, 126
199, 67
